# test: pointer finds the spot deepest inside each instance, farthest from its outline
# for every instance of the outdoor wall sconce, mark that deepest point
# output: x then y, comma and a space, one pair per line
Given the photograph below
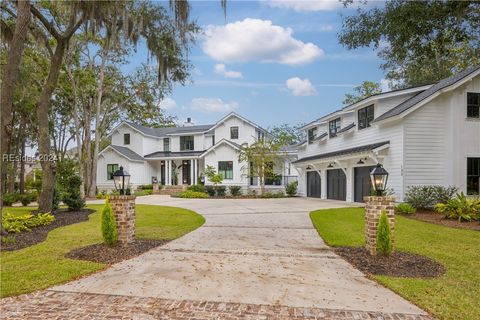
330, 165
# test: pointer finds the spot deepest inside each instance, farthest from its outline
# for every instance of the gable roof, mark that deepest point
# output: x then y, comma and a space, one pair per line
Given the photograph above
162, 132
234, 114
124, 151
232, 144
424, 95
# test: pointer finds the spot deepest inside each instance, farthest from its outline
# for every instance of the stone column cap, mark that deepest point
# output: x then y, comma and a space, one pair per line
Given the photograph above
377, 198
122, 197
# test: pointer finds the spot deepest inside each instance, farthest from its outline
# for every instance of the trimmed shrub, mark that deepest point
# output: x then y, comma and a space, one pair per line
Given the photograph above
460, 207
291, 189
10, 198
144, 192
192, 195
405, 208
56, 199
235, 190
72, 197
427, 197
384, 236
109, 225
196, 188
145, 187
270, 194
210, 190
221, 190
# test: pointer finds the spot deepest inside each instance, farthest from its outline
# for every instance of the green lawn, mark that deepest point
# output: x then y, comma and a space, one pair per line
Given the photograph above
43, 265
455, 295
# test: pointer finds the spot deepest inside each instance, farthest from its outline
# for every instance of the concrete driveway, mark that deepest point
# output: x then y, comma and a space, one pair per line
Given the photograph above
262, 252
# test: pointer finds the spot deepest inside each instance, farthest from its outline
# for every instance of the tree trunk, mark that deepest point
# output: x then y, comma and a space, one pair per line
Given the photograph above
9, 80
88, 147
21, 185
93, 174
45, 199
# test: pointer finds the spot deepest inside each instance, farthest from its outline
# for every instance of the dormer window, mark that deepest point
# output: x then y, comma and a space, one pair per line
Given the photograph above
333, 127
233, 132
312, 133
186, 143
166, 144
365, 117
473, 105
126, 138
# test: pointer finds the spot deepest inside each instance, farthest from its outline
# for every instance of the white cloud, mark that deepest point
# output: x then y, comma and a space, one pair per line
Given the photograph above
258, 40
387, 85
213, 105
305, 5
168, 104
300, 87
222, 69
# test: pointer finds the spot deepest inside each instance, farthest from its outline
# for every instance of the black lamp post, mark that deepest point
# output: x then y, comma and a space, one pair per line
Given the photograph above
121, 178
379, 177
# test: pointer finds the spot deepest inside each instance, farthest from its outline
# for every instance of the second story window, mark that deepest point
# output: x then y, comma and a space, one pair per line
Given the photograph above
126, 138
186, 143
365, 117
312, 133
233, 132
333, 127
166, 144
473, 105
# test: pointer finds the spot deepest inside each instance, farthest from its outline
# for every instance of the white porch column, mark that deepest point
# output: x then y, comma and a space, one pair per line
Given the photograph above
195, 171
192, 172
349, 174
168, 170
323, 182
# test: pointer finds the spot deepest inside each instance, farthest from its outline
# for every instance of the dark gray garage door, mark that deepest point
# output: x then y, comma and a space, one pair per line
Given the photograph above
362, 183
313, 184
336, 185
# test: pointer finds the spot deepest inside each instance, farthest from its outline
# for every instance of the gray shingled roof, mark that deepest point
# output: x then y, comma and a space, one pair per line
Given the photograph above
359, 149
130, 154
407, 104
344, 129
169, 154
162, 132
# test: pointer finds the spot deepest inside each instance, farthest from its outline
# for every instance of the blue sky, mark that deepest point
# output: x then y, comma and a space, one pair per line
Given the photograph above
271, 61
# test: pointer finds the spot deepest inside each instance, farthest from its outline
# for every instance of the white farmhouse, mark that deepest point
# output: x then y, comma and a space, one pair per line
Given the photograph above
178, 156
428, 135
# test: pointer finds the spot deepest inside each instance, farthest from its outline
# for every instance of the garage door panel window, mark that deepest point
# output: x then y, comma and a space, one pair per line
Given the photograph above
225, 169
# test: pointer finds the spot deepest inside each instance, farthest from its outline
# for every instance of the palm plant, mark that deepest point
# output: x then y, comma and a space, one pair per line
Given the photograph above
461, 207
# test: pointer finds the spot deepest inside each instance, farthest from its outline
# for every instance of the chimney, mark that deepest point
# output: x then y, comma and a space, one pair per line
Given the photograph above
188, 123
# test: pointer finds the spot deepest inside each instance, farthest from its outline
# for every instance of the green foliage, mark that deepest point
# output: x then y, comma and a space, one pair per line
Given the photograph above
220, 191
10, 198
366, 89
286, 134
145, 187
405, 208
8, 239
270, 194
144, 192
384, 236
428, 196
56, 199
36, 184
213, 176
460, 207
17, 223
196, 188
420, 42
101, 195
192, 195
210, 190
72, 197
235, 190
291, 189
109, 225
28, 198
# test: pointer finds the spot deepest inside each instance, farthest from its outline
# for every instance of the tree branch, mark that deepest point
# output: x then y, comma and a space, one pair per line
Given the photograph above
49, 26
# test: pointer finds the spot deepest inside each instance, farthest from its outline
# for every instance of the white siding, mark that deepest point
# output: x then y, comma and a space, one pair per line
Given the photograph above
227, 153
136, 139
246, 132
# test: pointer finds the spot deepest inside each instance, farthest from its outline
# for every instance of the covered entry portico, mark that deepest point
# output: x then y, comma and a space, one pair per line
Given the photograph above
341, 175
176, 168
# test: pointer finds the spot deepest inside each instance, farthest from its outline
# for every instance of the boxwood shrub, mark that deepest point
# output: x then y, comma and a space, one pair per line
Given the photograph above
427, 197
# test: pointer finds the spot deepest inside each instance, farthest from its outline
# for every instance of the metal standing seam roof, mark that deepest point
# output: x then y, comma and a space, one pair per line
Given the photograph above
345, 129
170, 154
409, 103
363, 148
320, 137
163, 132
130, 154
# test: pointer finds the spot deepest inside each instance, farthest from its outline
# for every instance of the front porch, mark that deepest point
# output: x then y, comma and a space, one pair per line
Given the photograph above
177, 172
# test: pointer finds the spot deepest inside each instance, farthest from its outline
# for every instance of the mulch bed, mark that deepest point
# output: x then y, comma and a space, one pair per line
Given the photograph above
63, 217
436, 218
102, 253
399, 264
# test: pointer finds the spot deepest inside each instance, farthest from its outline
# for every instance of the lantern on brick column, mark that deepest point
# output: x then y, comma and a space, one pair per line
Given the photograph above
379, 177
121, 178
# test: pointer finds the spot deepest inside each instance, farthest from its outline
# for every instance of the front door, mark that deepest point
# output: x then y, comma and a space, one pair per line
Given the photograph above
313, 184
362, 182
186, 172
336, 185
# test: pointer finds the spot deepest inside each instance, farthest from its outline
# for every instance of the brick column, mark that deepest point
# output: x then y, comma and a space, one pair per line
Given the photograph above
373, 210
124, 210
